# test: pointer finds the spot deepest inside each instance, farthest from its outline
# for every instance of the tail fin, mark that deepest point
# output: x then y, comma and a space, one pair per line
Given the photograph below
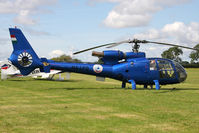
23, 56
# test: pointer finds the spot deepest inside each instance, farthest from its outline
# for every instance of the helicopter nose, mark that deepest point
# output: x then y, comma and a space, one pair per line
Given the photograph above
182, 76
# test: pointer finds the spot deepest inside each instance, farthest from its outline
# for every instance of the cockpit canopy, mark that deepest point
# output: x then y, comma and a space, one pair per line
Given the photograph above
168, 69
182, 75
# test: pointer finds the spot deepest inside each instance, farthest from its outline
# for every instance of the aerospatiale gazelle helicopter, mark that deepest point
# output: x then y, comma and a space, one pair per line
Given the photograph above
130, 67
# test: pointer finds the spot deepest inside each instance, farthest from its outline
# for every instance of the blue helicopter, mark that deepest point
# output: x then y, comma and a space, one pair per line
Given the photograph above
130, 67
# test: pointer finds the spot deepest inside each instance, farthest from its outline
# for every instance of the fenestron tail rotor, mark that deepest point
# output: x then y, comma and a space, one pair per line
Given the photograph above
136, 44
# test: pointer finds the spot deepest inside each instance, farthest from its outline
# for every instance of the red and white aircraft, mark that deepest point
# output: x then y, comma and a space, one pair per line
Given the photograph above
8, 70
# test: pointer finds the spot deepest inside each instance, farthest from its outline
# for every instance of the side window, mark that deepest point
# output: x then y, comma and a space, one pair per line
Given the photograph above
165, 69
164, 65
153, 65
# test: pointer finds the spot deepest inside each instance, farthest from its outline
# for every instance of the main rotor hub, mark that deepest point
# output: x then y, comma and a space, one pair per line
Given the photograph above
136, 46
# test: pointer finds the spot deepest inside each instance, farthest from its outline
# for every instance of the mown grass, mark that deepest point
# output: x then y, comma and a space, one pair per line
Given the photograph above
83, 105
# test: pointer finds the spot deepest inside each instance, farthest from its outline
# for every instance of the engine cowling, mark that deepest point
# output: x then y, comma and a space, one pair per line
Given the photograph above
111, 57
131, 55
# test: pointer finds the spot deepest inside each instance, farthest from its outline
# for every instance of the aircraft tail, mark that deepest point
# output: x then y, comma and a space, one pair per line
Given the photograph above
8, 70
23, 55
4, 66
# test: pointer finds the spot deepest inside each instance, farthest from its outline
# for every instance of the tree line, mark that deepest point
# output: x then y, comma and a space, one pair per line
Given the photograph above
174, 53
65, 58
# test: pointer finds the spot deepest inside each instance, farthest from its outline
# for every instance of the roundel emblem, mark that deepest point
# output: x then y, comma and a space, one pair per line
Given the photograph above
25, 59
97, 68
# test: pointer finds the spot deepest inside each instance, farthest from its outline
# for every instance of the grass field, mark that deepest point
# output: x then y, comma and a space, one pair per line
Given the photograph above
83, 105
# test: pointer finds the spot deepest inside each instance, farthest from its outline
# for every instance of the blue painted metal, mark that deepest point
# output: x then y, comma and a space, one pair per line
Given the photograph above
133, 84
134, 69
111, 57
20, 46
46, 66
130, 55
157, 85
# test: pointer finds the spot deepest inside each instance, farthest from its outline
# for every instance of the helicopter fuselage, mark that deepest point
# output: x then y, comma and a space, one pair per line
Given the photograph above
141, 70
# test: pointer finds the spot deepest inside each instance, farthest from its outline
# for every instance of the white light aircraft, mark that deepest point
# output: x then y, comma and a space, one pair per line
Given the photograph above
8, 70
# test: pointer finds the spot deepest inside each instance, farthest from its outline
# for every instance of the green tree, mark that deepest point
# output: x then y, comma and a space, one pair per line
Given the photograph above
195, 54
65, 58
173, 53
99, 61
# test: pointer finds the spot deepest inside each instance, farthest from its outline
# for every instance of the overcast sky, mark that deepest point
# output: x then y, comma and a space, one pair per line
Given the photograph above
55, 27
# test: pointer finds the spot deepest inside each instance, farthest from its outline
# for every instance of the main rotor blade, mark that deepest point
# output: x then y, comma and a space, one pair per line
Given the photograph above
136, 41
169, 44
118, 43
99, 46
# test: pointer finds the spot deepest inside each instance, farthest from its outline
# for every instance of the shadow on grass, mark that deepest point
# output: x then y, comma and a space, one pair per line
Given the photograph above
47, 80
164, 90
57, 80
89, 88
